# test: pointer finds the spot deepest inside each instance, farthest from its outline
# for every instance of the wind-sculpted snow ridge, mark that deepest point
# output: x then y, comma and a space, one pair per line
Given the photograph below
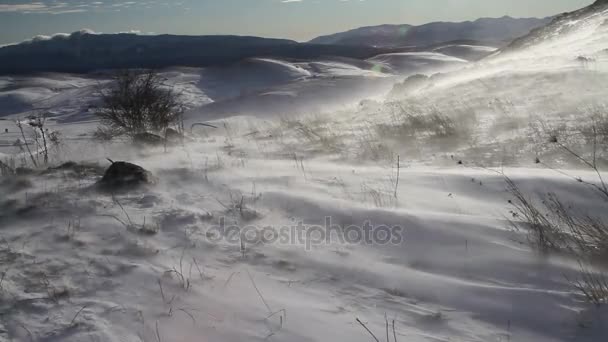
572, 49
584, 31
468, 52
408, 63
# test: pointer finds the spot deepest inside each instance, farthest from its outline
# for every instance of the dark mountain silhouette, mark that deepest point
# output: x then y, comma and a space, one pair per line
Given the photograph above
487, 31
84, 52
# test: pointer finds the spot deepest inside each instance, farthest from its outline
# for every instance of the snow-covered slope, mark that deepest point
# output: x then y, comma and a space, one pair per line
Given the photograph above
572, 47
569, 28
248, 76
409, 63
254, 86
468, 52
235, 246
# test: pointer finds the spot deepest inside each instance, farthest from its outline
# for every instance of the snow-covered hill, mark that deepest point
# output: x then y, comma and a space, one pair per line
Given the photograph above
411, 187
408, 63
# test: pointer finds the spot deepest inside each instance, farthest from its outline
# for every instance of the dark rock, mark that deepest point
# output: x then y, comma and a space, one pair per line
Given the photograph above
121, 176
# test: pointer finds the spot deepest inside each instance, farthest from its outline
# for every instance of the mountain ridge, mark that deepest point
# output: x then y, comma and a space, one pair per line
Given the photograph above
84, 52
491, 31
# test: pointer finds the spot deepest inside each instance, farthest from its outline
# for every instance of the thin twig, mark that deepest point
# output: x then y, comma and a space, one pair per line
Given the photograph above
394, 333
189, 314
386, 321
123, 210
259, 293
29, 151
369, 331
78, 313
398, 174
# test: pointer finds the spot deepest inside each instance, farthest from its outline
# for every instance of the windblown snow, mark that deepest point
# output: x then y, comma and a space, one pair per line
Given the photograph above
303, 149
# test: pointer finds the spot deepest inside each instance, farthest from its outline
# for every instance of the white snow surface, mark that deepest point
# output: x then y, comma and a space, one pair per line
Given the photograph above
457, 271
409, 63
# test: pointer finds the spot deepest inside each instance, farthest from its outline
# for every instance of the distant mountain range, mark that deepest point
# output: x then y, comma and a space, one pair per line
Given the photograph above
85, 51
495, 32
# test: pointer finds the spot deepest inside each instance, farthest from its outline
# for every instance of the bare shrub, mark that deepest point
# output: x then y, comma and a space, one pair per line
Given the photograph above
37, 123
137, 102
43, 139
597, 130
555, 226
545, 233
558, 226
412, 121
315, 132
6, 169
371, 145
592, 284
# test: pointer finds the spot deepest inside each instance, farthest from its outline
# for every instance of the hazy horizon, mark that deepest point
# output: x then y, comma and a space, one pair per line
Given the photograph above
299, 20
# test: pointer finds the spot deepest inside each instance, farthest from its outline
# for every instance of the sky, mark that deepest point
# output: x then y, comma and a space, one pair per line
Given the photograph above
300, 20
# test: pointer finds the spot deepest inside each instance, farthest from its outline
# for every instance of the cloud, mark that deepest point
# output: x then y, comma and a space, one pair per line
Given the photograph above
68, 6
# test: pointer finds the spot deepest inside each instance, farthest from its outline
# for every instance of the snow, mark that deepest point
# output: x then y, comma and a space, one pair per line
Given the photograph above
410, 63
455, 270
468, 52
459, 271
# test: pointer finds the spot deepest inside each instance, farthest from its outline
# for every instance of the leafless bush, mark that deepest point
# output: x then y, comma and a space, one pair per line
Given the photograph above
6, 169
545, 233
138, 102
588, 234
592, 284
597, 130
43, 139
558, 226
555, 226
411, 121
315, 132
371, 145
